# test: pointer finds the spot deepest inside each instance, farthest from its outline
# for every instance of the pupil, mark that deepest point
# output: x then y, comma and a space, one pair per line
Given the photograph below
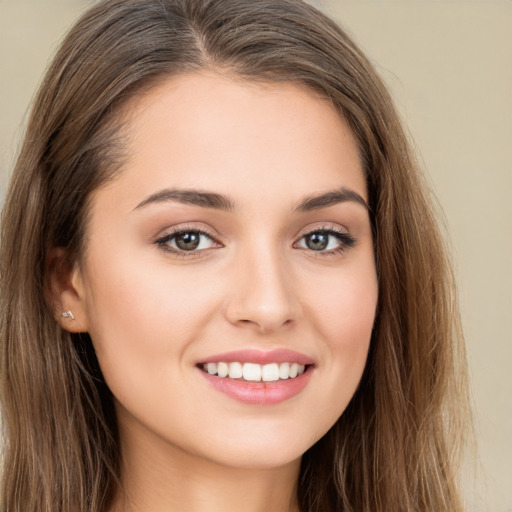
317, 241
188, 241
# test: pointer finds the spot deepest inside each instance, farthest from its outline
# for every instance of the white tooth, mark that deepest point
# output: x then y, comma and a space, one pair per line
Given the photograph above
284, 371
270, 372
222, 369
294, 368
252, 372
211, 368
301, 369
235, 371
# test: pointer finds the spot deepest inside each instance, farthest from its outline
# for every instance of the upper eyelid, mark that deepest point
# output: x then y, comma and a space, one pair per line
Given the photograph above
344, 235
334, 227
174, 234
174, 231
332, 232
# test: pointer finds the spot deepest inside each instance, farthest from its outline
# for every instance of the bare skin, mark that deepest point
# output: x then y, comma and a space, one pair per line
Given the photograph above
188, 486
239, 223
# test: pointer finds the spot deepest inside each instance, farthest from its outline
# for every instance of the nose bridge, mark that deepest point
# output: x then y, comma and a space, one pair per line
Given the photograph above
263, 293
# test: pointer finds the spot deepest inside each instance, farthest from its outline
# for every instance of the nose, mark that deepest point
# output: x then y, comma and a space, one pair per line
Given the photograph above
262, 297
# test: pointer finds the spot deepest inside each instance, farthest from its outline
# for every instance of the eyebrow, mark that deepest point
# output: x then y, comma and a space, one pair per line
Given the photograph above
193, 197
223, 202
342, 195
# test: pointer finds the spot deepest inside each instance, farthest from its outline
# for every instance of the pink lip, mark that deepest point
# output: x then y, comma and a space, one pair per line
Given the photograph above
259, 393
260, 357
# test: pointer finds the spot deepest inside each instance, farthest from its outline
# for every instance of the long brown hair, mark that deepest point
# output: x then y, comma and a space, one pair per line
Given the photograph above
397, 444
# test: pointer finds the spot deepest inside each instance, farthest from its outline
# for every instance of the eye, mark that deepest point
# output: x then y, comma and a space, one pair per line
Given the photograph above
190, 240
326, 240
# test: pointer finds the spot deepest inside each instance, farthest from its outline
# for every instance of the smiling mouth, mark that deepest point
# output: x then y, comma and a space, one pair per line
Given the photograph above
252, 372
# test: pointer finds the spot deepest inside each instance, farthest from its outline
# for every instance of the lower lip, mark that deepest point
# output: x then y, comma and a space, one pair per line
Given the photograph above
259, 393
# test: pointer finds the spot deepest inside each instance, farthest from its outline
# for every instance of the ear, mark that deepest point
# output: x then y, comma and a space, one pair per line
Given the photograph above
65, 291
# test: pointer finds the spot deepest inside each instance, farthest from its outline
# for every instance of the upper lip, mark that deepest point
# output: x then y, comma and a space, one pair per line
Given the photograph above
256, 356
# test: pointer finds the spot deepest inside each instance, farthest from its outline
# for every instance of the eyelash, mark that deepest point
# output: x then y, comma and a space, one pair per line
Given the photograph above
163, 242
345, 240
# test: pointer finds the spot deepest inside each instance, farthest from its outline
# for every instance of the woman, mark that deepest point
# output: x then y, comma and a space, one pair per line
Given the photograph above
222, 283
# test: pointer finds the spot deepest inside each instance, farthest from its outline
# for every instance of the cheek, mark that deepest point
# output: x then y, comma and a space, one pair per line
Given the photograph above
344, 304
344, 314
144, 320
130, 294
142, 325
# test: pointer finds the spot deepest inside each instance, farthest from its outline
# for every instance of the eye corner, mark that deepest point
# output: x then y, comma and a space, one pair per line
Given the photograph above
194, 241
326, 241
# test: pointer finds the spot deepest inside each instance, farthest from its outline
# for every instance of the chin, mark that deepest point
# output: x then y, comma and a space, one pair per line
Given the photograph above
264, 451
261, 459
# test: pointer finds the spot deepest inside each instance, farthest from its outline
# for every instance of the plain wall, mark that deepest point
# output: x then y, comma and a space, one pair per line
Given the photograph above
449, 66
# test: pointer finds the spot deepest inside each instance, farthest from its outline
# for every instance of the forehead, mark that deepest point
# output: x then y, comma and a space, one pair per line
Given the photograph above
205, 130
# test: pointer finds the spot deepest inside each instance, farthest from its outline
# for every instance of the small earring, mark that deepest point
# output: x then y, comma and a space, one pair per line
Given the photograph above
67, 314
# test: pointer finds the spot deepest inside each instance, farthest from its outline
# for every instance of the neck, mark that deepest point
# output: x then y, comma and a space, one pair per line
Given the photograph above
157, 476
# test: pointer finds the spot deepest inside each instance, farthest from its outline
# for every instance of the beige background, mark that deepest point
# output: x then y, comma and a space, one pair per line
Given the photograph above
449, 65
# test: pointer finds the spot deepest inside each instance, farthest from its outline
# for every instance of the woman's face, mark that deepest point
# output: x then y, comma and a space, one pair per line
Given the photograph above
233, 249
